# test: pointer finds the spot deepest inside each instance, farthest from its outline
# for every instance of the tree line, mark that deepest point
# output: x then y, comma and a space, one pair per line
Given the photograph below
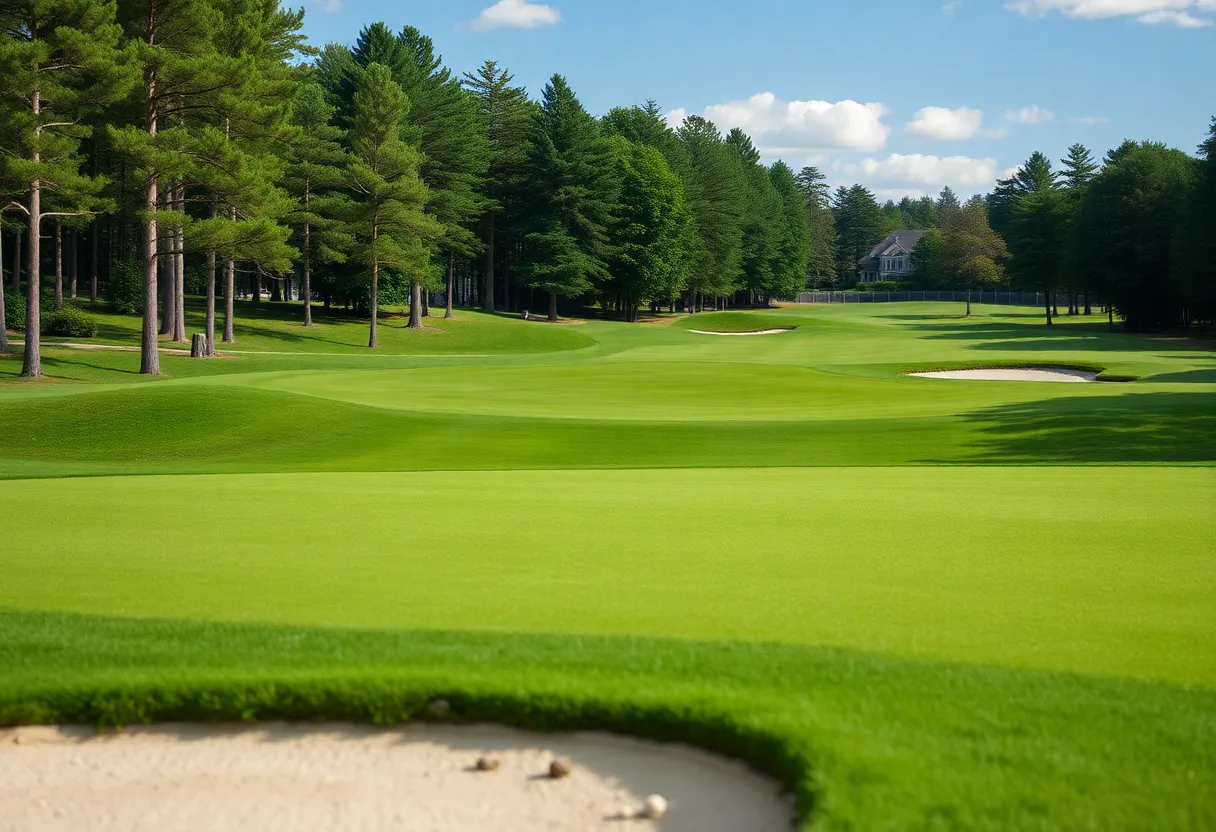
175, 147
163, 148
1127, 230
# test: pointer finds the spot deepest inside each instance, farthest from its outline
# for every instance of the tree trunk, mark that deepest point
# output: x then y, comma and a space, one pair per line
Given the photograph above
1089, 310
307, 288
256, 282
276, 292
58, 265
73, 237
229, 301
210, 322
31, 365
179, 258
16, 275
3, 319
487, 296
372, 341
149, 352
1047, 304
447, 312
415, 305
165, 266
553, 306
94, 243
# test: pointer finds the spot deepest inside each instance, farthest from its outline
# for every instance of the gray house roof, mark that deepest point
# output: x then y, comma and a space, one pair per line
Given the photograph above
904, 241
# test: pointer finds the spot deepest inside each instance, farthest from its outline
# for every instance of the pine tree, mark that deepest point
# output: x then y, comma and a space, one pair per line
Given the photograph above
1196, 276
715, 191
648, 260
859, 226
1079, 169
395, 231
506, 116
61, 60
816, 196
761, 216
315, 177
1038, 241
946, 208
793, 247
572, 193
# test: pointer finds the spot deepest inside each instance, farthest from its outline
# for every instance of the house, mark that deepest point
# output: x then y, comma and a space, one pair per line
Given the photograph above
891, 259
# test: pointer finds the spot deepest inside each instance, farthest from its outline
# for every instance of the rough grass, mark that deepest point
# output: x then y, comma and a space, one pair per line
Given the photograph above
922, 604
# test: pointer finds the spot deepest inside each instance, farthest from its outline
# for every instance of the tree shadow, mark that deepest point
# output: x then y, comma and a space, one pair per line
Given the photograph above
1133, 427
1184, 377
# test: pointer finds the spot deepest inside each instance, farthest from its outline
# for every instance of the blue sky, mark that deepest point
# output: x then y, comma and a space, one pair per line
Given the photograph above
904, 96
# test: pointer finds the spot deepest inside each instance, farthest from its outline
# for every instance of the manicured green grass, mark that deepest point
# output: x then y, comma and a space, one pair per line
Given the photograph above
924, 604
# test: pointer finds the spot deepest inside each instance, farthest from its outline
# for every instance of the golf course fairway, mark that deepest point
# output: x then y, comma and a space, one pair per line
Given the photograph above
920, 603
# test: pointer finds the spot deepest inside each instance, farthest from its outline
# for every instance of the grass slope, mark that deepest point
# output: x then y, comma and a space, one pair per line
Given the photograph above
924, 604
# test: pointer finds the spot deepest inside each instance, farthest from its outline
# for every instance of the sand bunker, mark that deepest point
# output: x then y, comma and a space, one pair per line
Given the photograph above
417, 778
752, 332
1016, 374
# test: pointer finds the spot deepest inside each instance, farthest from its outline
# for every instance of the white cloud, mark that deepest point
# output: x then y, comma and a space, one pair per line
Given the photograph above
1152, 12
515, 14
676, 117
799, 127
1033, 114
962, 172
1090, 120
946, 124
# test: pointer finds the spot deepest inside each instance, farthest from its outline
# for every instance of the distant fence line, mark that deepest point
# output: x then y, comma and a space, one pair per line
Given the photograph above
1005, 298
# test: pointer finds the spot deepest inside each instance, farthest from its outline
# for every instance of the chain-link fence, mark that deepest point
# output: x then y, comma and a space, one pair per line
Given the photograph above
1005, 298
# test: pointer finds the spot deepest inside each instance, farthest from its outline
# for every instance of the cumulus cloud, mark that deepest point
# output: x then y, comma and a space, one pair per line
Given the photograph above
1033, 114
961, 172
1151, 12
515, 14
946, 124
799, 127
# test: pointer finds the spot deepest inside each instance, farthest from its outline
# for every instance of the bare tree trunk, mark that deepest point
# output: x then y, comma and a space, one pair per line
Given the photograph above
16, 276
487, 297
73, 258
1047, 305
373, 341
3, 319
58, 265
94, 243
451, 263
210, 324
31, 365
553, 306
165, 266
307, 269
229, 294
415, 305
179, 257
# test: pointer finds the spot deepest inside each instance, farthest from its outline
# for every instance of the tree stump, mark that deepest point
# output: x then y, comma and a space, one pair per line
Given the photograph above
198, 346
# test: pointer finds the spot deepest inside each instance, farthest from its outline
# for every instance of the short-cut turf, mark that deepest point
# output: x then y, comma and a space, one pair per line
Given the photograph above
923, 603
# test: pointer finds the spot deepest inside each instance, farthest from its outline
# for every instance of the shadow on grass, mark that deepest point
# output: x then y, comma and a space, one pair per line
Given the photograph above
1139, 427
1185, 377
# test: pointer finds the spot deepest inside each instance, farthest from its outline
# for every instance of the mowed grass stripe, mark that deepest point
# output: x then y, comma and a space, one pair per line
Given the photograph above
1106, 570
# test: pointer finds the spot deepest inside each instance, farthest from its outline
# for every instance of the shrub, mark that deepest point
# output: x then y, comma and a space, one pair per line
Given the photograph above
1116, 377
14, 312
125, 291
69, 322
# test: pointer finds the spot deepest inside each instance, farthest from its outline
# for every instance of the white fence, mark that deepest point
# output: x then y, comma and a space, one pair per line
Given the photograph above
1006, 298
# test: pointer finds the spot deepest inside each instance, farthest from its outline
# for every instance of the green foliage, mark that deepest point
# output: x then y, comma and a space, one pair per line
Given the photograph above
879, 286
125, 289
69, 322
573, 188
821, 265
716, 191
928, 261
859, 226
14, 311
1123, 242
1193, 273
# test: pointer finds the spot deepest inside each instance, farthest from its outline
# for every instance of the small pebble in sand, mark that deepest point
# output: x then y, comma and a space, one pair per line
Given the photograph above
487, 764
655, 808
439, 707
560, 768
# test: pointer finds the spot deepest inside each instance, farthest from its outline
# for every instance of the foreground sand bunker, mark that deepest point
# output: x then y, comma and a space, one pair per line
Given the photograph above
1016, 374
417, 778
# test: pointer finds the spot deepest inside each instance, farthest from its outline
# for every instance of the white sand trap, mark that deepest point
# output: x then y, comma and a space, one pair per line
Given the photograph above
418, 778
753, 332
1016, 374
